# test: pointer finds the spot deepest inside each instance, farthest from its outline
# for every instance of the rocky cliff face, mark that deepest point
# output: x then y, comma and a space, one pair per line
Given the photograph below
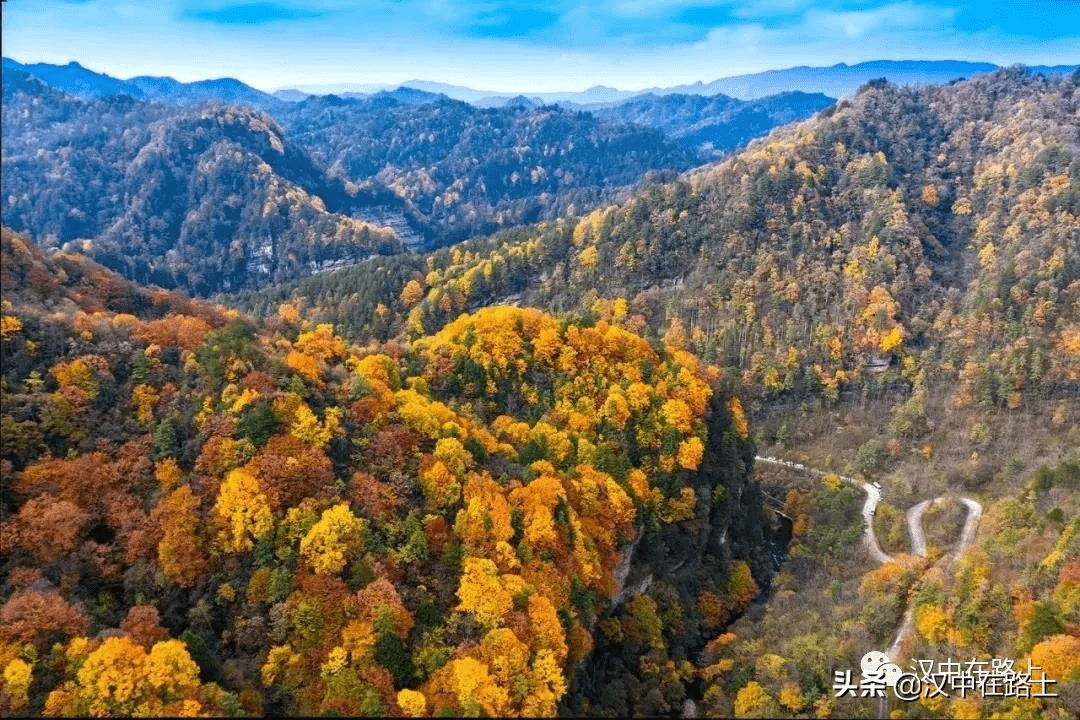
679, 583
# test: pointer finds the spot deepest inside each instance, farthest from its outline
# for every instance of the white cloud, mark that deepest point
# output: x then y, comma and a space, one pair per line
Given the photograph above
373, 45
885, 19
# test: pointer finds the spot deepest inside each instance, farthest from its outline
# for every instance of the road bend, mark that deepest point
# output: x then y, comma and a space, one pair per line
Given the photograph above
915, 535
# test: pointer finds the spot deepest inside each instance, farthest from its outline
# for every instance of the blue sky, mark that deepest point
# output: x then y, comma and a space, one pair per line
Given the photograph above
510, 45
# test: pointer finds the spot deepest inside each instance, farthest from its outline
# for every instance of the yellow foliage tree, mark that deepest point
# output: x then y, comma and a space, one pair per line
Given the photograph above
547, 686
741, 585
892, 339
752, 701
440, 486
288, 313
242, 512
411, 294
17, 676
412, 703
877, 325
589, 257
179, 552
616, 408
321, 343
146, 399
506, 656
537, 501
451, 453
9, 326
78, 377
932, 622
305, 365
482, 592
791, 697
1058, 656
167, 473
547, 631
677, 414
476, 690
690, 453
121, 678
485, 520
741, 426
329, 543
306, 427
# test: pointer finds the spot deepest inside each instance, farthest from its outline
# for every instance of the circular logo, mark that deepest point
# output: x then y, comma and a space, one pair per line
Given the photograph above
872, 661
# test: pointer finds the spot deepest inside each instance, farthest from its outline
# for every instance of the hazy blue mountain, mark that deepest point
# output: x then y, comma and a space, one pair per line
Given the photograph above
479, 98
73, 79
226, 90
291, 95
408, 96
843, 80
469, 170
434, 168
504, 101
455, 92
1054, 69
838, 80
595, 94
489, 98
835, 81
719, 122
204, 197
76, 80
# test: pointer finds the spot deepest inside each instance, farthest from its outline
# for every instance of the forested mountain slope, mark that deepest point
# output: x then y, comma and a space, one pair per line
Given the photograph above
141, 169
896, 287
506, 512
911, 234
471, 171
718, 123
205, 515
205, 197
86, 84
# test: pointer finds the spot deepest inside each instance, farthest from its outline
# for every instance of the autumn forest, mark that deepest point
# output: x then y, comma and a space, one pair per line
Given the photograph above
395, 406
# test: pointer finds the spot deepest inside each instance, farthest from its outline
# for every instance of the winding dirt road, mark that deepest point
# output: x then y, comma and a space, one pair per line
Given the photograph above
914, 526
915, 534
967, 534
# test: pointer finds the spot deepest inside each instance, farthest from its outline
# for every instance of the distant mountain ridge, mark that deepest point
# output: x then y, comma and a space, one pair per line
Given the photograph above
904, 225
202, 197
718, 122
834, 81
175, 183
838, 80
86, 84
143, 167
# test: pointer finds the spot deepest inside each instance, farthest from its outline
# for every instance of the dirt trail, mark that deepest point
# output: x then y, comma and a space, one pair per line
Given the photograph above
918, 545
873, 497
915, 534
914, 524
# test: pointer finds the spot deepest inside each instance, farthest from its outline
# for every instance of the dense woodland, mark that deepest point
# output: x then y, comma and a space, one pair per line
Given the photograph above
903, 271
270, 519
470, 170
201, 197
172, 184
385, 489
912, 235
716, 122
